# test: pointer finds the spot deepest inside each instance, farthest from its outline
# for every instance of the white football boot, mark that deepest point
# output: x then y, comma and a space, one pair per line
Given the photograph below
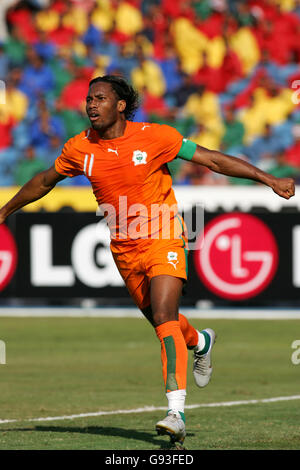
172, 425
202, 366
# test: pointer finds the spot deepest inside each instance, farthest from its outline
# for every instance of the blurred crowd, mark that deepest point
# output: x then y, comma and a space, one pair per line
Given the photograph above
225, 73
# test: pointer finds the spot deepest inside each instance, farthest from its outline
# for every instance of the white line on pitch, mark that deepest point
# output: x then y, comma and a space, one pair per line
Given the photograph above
124, 312
151, 408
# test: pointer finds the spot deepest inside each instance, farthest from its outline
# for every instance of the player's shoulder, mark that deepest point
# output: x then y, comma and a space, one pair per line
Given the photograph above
152, 127
81, 140
139, 126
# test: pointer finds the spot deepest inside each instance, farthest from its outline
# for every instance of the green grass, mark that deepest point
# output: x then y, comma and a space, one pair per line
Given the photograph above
64, 366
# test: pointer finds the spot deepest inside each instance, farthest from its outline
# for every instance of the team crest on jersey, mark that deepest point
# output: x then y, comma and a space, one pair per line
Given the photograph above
172, 258
139, 157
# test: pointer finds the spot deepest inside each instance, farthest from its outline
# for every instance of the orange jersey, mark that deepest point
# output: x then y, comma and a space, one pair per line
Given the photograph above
129, 177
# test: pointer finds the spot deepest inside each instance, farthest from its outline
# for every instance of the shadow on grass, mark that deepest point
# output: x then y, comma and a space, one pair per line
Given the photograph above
128, 434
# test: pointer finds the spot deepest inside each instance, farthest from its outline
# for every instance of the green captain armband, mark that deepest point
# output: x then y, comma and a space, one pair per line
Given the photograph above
187, 149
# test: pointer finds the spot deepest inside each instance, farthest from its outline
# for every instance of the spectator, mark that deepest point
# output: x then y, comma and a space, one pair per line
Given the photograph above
281, 168
102, 16
107, 48
189, 43
268, 67
244, 43
6, 126
205, 108
45, 127
234, 131
231, 68
253, 117
280, 105
37, 78
8, 158
154, 105
217, 78
62, 35
128, 18
22, 18
292, 154
47, 19
189, 60
15, 48
206, 137
208, 76
76, 18
4, 6
49, 154
93, 35
203, 9
187, 88
244, 14
74, 121
43, 47
170, 68
16, 102
277, 32
186, 125
28, 167
270, 142
63, 71
4, 63
123, 63
148, 75
74, 94
188, 175
213, 25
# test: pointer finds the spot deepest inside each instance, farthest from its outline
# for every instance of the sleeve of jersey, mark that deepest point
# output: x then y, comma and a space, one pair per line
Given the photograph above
68, 163
169, 142
187, 149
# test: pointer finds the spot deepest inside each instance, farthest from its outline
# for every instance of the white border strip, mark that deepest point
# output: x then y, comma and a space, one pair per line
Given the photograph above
120, 312
150, 408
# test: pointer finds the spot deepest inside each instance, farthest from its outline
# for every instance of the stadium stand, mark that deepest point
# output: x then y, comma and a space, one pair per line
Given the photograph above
224, 73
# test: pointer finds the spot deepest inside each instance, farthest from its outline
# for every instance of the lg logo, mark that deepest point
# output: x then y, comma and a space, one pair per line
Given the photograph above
8, 256
91, 260
237, 256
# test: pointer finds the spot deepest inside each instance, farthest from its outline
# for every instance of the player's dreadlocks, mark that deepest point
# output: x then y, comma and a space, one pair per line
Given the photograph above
123, 90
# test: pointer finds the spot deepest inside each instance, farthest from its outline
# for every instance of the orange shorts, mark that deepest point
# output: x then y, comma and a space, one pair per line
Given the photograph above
138, 262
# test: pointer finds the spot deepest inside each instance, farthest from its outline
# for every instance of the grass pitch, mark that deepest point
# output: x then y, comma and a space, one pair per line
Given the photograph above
67, 366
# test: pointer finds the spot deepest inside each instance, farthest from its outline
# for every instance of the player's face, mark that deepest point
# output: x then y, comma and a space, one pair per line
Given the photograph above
102, 106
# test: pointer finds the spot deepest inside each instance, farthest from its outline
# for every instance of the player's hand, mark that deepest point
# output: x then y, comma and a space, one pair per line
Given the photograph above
284, 187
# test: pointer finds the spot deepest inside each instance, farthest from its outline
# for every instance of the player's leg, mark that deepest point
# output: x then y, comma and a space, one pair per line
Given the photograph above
200, 342
165, 293
161, 294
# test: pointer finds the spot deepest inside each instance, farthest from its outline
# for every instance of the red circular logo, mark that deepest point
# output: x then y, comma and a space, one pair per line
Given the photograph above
236, 256
8, 256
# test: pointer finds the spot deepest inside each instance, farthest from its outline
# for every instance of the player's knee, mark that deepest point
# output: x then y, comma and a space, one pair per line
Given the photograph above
163, 316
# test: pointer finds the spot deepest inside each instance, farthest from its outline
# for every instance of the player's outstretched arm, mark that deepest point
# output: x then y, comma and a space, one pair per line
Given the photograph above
236, 167
34, 189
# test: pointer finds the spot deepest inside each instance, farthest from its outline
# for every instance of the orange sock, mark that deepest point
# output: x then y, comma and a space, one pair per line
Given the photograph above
189, 332
174, 355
